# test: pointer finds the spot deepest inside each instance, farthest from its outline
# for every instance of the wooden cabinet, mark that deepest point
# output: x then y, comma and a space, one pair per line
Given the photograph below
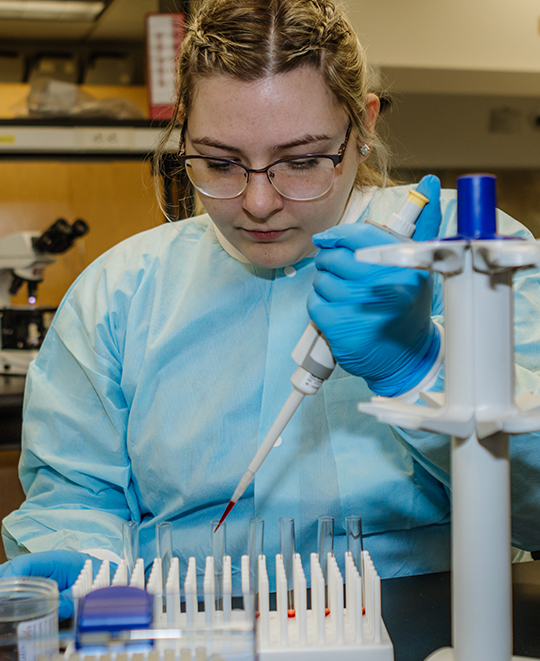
11, 493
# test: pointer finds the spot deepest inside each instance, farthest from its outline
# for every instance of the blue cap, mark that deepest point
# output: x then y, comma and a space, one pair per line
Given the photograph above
477, 202
115, 609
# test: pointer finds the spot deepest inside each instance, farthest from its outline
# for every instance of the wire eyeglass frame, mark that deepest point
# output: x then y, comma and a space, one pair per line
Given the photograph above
335, 158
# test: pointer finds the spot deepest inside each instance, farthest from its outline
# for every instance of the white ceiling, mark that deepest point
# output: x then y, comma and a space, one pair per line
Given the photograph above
123, 20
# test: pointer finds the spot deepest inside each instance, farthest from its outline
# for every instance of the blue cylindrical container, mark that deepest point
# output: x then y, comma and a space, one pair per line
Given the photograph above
476, 206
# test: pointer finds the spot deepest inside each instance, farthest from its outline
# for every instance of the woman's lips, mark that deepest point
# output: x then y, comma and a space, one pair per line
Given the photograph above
271, 235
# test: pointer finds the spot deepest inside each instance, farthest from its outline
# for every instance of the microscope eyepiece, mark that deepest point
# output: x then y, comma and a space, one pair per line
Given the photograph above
79, 228
60, 236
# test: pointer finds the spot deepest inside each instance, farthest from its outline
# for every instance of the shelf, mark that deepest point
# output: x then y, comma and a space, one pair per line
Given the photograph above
80, 139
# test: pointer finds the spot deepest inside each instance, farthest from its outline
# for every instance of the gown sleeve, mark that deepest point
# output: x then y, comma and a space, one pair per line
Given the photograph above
75, 468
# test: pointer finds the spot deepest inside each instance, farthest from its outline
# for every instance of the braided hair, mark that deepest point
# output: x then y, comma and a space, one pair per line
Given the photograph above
253, 39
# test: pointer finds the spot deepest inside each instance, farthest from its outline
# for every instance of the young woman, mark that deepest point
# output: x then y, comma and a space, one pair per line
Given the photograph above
170, 357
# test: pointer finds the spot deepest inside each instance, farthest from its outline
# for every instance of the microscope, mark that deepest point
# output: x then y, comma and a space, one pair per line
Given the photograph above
24, 256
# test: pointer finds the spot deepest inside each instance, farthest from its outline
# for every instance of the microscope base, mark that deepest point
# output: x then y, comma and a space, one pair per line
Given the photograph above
447, 654
16, 362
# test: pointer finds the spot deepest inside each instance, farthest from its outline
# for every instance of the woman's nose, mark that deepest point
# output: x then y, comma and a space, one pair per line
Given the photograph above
261, 199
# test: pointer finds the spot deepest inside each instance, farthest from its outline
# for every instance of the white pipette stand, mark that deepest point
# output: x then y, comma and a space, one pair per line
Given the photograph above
479, 410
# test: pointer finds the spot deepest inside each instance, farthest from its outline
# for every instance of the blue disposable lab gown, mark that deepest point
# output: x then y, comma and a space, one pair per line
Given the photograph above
166, 365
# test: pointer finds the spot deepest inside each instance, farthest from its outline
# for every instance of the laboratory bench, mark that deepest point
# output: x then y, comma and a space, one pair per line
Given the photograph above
416, 609
417, 612
11, 399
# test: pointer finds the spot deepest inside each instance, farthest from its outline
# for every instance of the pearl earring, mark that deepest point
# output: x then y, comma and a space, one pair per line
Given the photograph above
365, 149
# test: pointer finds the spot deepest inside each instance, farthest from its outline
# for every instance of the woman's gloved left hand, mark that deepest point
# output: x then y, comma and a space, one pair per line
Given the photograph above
377, 318
62, 566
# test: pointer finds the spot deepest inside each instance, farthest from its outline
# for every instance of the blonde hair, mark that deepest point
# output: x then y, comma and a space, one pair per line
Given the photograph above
253, 39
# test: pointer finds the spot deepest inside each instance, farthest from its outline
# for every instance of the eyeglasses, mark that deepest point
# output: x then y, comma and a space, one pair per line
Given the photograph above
300, 178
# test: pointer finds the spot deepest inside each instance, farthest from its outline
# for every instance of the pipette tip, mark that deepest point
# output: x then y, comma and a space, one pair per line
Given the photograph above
229, 507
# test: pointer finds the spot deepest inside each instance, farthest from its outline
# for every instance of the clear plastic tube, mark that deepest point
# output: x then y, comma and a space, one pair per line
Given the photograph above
130, 544
164, 547
219, 549
255, 548
325, 542
287, 547
354, 539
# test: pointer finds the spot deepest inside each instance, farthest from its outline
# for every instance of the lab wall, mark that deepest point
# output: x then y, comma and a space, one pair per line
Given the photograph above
116, 199
464, 131
451, 134
490, 35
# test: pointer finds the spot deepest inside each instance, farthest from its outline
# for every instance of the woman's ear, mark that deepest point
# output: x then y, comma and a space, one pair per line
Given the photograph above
373, 106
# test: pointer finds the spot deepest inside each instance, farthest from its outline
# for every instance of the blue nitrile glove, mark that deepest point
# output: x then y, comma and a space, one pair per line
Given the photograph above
377, 318
62, 566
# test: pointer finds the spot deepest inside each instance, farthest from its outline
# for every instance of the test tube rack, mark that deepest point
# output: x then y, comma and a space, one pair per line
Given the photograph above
344, 621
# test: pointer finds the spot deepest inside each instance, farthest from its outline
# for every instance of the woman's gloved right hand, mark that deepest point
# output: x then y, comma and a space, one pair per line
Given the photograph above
62, 566
376, 318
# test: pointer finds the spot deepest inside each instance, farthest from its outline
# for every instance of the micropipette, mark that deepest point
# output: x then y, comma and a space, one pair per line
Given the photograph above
314, 357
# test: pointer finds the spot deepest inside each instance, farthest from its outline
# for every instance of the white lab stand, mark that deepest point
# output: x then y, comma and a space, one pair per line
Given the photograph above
479, 410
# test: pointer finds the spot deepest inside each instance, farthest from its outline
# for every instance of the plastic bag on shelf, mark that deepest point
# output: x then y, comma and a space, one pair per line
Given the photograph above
50, 98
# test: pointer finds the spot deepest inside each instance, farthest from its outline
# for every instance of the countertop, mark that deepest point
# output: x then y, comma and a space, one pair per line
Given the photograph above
416, 609
11, 400
417, 612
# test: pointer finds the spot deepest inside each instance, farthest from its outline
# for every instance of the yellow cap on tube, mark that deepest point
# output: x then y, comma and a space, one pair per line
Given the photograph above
417, 198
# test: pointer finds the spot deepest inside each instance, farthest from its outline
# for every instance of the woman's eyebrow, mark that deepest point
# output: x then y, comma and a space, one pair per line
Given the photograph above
305, 140
210, 142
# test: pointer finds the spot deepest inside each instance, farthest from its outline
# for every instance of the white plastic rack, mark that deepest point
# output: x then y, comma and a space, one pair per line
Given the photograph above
344, 621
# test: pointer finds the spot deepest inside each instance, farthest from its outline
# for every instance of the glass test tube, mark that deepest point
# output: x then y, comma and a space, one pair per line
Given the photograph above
164, 548
287, 548
219, 549
325, 542
255, 548
325, 545
354, 539
130, 544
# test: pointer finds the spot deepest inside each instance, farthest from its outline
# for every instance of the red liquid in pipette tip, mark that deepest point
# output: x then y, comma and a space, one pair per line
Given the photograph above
225, 513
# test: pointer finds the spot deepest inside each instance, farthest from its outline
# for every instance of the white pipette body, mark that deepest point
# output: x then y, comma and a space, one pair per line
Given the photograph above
314, 356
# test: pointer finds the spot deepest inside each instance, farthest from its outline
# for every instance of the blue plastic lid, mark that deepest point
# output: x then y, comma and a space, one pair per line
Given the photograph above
476, 206
115, 609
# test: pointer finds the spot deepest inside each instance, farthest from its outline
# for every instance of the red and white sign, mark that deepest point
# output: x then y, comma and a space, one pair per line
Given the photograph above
164, 34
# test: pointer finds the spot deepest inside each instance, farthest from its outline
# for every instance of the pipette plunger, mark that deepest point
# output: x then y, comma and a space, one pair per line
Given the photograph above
314, 356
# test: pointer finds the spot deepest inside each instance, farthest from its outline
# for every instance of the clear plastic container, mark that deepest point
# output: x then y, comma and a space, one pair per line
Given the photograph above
28, 618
